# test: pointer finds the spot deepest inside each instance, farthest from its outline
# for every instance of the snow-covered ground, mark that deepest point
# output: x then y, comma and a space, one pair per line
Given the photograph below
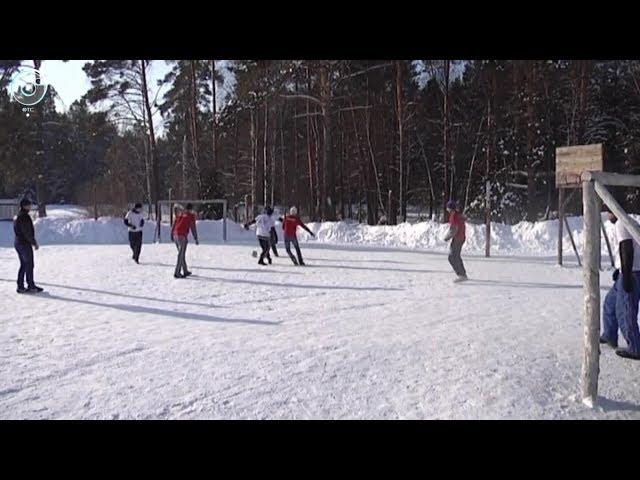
363, 332
373, 328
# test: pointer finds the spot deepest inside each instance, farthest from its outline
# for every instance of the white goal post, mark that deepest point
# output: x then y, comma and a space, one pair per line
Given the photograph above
594, 192
215, 201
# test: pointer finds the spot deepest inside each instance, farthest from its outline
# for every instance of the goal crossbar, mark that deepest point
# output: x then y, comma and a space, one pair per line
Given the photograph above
182, 202
594, 192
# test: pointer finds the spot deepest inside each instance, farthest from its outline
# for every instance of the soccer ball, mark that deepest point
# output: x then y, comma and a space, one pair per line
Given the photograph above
254, 254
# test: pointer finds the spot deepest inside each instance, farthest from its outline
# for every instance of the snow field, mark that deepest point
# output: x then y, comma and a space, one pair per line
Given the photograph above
363, 332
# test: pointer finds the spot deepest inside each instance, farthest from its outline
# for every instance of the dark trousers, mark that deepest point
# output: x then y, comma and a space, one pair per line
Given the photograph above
135, 242
275, 250
287, 246
455, 257
181, 263
265, 244
25, 254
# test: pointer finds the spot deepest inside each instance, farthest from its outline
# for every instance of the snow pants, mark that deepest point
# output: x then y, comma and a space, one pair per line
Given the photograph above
135, 242
287, 246
25, 255
620, 311
181, 264
455, 257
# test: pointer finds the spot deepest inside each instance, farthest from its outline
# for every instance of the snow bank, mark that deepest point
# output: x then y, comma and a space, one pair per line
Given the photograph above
524, 238
70, 225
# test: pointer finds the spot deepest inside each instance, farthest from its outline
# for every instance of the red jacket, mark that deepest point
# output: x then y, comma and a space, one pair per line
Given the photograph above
183, 223
290, 225
456, 220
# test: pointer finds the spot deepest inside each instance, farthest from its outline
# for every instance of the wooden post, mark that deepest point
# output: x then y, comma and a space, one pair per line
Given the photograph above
389, 208
573, 244
591, 353
487, 237
618, 211
560, 223
606, 239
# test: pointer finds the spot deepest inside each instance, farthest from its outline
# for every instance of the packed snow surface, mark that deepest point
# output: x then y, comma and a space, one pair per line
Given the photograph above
364, 331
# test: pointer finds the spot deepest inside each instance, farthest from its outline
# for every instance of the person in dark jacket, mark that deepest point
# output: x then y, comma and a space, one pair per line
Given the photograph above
134, 220
24, 243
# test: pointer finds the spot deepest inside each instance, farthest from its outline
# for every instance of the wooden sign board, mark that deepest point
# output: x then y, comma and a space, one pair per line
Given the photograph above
571, 162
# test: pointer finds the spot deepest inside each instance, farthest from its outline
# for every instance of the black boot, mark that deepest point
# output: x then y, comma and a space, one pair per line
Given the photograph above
21, 290
624, 353
34, 289
611, 343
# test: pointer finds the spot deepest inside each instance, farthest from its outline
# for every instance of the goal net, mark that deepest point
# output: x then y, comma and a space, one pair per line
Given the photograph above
211, 215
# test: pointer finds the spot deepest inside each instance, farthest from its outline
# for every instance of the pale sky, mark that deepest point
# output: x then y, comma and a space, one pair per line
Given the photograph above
71, 82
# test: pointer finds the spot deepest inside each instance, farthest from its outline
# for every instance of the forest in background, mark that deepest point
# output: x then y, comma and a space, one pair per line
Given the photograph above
362, 139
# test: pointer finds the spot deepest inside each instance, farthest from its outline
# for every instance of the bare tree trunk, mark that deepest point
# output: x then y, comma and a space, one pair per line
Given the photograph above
328, 183
236, 161
400, 114
432, 194
152, 144
283, 171
311, 184
318, 207
185, 154
254, 162
194, 126
295, 152
265, 147
445, 190
274, 134
214, 121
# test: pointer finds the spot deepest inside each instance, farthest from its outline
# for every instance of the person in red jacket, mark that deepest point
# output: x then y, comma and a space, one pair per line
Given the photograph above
290, 224
185, 221
457, 236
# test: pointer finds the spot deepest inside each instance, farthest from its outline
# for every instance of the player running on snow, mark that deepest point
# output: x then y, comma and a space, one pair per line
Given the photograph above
290, 224
620, 309
457, 236
133, 219
264, 224
185, 221
24, 244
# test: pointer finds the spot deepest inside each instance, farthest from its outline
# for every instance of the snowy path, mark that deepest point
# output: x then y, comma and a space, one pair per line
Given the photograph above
362, 333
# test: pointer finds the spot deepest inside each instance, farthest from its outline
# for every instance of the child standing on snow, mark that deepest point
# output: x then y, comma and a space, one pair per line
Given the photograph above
457, 236
290, 224
185, 221
620, 309
133, 219
264, 224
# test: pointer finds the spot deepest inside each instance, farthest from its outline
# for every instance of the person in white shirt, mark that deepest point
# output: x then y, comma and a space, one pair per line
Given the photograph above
134, 221
264, 224
620, 309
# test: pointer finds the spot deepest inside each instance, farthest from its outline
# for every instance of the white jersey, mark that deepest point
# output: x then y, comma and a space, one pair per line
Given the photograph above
264, 224
135, 221
623, 234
